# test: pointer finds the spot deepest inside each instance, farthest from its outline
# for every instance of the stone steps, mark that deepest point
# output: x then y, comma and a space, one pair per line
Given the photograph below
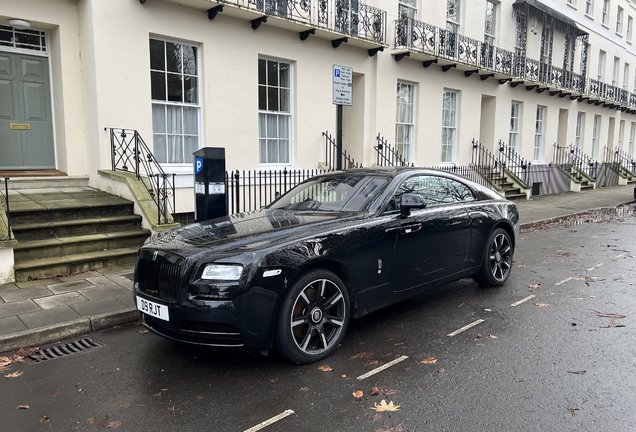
68, 230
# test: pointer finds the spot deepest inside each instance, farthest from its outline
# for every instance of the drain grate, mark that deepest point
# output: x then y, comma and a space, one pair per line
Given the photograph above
64, 350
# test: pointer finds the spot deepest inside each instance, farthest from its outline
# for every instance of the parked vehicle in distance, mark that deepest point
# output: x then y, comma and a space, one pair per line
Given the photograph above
337, 246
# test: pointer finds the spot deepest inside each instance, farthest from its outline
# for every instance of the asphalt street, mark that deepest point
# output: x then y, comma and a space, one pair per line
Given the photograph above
552, 350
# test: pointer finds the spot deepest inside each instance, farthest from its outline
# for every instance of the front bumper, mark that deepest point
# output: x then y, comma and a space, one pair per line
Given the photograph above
243, 323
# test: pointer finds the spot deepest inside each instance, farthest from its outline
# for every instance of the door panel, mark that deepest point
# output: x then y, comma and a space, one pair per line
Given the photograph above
34, 102
25, 99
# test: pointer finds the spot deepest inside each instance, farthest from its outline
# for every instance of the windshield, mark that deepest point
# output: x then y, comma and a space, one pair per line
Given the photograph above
345, 192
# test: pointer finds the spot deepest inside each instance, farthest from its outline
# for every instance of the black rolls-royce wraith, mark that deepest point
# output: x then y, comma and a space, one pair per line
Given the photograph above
337, 246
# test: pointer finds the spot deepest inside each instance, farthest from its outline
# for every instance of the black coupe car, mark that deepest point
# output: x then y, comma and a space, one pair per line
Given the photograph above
336, 246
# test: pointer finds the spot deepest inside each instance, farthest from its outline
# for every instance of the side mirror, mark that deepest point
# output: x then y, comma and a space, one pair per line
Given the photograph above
410, 201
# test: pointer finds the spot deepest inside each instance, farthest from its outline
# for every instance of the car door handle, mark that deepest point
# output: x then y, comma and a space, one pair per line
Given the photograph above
410, 228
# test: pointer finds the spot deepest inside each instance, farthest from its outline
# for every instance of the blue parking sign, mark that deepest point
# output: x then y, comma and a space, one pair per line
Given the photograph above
198, 165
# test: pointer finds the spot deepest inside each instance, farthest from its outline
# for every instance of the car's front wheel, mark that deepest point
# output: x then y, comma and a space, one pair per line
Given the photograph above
313, 317
497, 263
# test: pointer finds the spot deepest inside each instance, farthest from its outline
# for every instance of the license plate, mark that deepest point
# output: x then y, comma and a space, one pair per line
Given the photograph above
153, 309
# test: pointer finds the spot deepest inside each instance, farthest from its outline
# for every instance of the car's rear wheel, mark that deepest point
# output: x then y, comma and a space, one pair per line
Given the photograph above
497, 263
313, 317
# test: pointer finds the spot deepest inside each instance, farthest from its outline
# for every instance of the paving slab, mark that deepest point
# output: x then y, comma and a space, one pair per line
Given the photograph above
24, 294
56, 300
17, 308
104, 291
95, 307
73, 285
47, 317
11, 324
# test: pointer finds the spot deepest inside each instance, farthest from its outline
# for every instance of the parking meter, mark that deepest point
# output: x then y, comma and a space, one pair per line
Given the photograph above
209, 183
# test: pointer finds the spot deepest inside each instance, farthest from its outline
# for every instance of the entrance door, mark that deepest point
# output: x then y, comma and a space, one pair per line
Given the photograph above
26, 126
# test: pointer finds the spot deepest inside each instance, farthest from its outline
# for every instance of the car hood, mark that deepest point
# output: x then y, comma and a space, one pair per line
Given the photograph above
247, 231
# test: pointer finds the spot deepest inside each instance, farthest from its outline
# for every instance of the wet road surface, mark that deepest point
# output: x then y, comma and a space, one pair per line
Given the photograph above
562, 360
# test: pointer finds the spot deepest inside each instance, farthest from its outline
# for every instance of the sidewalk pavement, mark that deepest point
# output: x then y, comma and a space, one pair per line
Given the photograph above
38, 312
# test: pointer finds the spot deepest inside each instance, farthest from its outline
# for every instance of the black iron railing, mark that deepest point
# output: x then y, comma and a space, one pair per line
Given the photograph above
422, 37
130, 153
487, 166
574, 162
252, 190
349, 17
624, 160
4, 206
387, 155
331, 154
510, 160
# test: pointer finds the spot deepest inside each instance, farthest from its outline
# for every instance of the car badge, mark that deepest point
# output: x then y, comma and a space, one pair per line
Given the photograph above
154, 256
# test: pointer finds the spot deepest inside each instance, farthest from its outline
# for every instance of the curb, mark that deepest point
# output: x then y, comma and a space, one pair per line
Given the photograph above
43, 335
557, 218
56, 332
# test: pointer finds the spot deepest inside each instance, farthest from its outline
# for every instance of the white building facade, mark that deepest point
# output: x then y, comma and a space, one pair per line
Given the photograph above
431, 77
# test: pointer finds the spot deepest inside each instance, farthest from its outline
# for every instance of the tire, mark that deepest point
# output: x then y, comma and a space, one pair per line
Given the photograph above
313, 317
497, 263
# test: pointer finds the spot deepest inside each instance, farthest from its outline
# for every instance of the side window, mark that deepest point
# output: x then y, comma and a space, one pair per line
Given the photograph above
435, 191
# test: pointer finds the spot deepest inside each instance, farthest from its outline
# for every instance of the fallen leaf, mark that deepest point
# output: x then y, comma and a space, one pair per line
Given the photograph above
78, 384
164, 415
534, 287
157, 394
478, 336
23, 407
374, 391
116, 369
572, 410
164, 390
579, 298
373, 362
542, 305
113, 425
383, 406
609, 315
325, 368
273, 380
14, 375
304, 389
343, 376
488, 310
90, 420
200, 397
441, 370
429, 360
361, 355
142, 332
613, 323
44, 419
124, 405
358, 394
103, 424
581, 372
492, 336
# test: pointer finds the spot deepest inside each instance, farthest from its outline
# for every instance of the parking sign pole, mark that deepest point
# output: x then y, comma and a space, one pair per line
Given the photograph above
339, 137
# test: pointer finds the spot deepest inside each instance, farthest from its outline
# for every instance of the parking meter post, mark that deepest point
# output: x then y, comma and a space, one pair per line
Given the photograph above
339, 137
209, 183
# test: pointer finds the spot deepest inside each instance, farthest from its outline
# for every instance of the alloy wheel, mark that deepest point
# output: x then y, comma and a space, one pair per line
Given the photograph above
500, 257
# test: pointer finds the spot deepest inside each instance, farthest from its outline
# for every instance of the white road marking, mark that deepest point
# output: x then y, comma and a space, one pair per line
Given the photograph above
270, 421
564, 281
600, 265
471, 325
381, 368
620, 255
523, 301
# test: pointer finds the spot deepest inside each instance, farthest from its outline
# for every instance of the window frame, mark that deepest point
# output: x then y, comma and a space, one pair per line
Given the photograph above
601, 65
539, 132
619, 21
407, 5
449, 150
186, 164
628, 31
491, 38
454, 26
512, 132
596, 126
407, 155
589, 8
266, 113
605, 13
580, 130
615, 70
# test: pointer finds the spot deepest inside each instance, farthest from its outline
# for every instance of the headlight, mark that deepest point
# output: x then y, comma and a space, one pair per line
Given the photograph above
222, 272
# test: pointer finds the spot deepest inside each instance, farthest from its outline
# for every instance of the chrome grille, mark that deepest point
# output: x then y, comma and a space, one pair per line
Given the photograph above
160, 280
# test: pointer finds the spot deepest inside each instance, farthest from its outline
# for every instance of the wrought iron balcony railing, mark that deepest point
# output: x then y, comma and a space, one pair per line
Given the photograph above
418, 36
349, 17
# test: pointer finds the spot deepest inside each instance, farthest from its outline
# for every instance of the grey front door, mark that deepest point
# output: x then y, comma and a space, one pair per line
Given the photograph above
26, 126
